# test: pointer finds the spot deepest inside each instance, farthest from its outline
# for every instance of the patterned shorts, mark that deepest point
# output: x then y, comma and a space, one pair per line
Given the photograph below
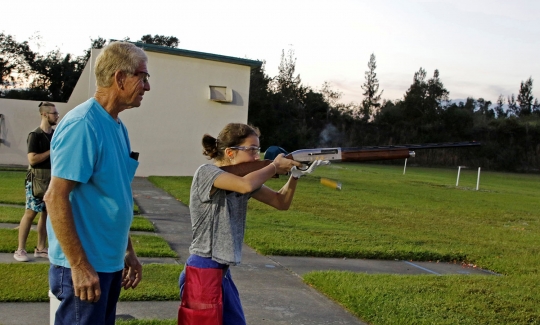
33, 203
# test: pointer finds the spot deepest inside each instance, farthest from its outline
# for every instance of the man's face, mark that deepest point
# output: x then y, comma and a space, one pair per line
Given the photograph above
136, 85
52, 116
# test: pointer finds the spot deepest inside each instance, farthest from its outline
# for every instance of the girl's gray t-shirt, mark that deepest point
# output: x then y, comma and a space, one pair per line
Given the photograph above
218, 221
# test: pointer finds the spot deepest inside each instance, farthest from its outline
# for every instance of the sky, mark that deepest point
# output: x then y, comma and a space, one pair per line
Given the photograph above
482, 48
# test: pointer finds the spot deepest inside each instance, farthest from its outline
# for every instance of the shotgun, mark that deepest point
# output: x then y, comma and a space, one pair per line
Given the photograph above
350, 154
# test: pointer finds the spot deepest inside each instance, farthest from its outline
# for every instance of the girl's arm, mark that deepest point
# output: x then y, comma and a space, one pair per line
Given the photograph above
281, 199
256, 179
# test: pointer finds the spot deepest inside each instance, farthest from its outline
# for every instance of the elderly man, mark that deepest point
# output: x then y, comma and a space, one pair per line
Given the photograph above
89, 198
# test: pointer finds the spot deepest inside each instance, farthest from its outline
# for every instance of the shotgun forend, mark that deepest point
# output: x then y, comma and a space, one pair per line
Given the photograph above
307, 156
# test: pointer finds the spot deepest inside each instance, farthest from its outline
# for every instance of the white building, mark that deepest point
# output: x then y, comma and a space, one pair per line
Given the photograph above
192, 93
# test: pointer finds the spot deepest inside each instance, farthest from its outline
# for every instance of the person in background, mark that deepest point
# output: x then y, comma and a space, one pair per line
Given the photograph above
218, 205
89, 199
39, 144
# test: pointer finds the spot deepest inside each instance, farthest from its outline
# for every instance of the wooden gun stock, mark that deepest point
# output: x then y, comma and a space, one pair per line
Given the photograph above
243, 169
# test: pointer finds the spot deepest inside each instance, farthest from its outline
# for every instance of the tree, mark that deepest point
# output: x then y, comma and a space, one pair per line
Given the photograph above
536, 107
458, 121
261, 112
13, 60
436, 91
52, 76
469, 105
525, 98
97, 43
57, 73
390, 119
499, 108
484, 108
483, 113
331, 97
370, 104
423, 100
289, 102
415, 97
286, 82
513, 107
169, 41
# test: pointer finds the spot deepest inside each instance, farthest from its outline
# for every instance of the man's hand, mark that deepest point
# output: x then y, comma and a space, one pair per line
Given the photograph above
85, 279
297, 173
132, 273
86, 283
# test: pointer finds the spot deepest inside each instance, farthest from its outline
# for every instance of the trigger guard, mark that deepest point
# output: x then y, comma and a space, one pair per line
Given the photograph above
304, 167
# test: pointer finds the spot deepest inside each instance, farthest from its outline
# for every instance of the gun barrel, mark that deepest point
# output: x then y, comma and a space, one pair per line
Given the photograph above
443, 145
375, 154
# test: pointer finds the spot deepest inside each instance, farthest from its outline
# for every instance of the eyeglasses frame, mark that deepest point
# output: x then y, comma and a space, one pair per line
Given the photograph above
254, 150
145, 79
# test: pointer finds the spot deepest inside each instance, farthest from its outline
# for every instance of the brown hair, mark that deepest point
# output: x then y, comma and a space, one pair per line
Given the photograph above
43, 107
232, 135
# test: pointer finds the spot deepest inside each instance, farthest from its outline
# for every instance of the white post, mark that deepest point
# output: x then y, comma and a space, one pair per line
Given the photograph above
405, 167
53, 306
478, 179
458, 171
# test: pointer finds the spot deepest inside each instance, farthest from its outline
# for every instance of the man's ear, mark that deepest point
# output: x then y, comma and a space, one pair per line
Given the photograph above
119, 78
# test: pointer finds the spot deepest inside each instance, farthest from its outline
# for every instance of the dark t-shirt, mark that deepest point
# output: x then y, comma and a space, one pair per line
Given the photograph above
40, 142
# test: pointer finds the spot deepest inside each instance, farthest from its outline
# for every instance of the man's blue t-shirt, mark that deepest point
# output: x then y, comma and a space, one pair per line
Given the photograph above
92, 148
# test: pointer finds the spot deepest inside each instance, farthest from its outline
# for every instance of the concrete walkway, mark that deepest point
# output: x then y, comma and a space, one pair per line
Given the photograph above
271, 287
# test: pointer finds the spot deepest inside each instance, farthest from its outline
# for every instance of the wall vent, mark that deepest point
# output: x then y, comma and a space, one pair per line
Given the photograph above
221, 94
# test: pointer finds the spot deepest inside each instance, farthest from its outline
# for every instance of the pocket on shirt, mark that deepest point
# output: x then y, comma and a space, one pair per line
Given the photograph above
132, 168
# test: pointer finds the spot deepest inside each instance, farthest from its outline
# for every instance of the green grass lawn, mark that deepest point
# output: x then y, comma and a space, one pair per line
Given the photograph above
144, 245
12, 186
12, 192
140, 223
27, 282
151, 246
176, 186
383, 214
13, 215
